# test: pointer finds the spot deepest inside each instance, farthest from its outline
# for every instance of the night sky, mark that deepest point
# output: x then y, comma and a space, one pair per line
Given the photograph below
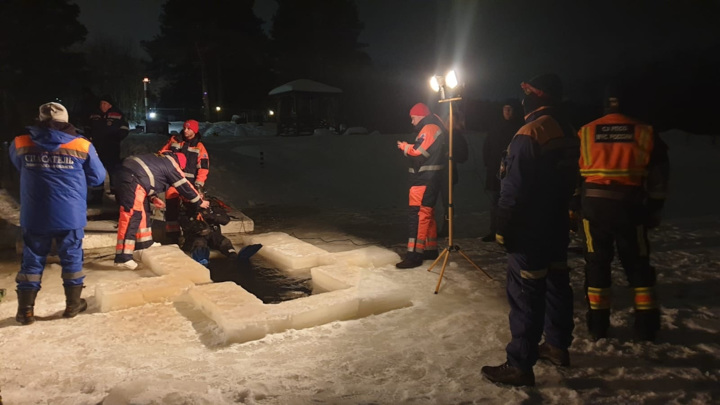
493, 44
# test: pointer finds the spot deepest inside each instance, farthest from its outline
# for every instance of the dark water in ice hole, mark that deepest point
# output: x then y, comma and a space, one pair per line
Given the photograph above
270, 285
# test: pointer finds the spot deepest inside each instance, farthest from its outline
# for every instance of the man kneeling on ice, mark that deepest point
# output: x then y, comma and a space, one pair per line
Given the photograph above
201, 230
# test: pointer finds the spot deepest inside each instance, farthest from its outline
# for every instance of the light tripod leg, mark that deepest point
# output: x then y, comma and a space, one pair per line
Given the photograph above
437, 288
445, 251
473, 263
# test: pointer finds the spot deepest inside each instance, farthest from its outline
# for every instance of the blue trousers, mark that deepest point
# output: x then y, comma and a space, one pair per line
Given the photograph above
35, 252
541, 301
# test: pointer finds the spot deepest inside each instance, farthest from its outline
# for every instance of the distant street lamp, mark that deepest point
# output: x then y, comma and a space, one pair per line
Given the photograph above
145, 87
439, 84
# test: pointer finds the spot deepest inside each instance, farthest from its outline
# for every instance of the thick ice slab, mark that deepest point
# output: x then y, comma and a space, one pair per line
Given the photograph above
113, 296
286, 252
169, 259
351, 292
293, 255
239, 223
369, 256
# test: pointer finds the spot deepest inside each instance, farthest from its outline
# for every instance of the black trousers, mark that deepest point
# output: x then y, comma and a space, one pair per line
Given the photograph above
609, 225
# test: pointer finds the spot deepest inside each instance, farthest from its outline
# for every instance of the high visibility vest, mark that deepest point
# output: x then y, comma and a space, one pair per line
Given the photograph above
615, 149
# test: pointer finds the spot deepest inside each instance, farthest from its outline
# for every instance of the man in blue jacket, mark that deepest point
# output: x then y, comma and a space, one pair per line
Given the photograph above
56, 167
539, 174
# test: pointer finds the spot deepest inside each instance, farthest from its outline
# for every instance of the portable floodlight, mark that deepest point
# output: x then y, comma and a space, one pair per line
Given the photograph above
438, 84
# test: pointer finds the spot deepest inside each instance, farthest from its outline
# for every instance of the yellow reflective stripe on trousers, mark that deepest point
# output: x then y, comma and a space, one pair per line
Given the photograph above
645, 298
588, 237
598, 298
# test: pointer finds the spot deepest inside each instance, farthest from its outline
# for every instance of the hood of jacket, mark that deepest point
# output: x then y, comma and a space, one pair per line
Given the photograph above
50, 135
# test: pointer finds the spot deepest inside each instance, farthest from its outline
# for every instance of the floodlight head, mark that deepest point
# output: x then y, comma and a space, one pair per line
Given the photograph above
435, 83
152, 115
146, 80
451, 79
218, 108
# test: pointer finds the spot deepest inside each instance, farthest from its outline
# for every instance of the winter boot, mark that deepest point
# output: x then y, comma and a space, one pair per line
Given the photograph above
598, 323
647, 324
412, 259
554, 355
73, 303
430, 254
26, 306
507, 374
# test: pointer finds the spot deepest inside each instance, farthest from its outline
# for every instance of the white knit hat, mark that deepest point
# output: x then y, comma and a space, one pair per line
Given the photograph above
53, 111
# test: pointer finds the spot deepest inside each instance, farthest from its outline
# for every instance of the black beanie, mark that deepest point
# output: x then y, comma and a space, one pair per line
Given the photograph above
108, 98
549, 92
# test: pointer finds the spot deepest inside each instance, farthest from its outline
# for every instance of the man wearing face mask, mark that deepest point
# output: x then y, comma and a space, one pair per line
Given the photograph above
538, 177
427, 159
196, 171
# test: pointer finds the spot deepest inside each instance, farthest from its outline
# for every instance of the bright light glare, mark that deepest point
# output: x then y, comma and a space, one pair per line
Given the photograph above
271, 113
451, 79
152, 115
217, 108
434, 83
146, 80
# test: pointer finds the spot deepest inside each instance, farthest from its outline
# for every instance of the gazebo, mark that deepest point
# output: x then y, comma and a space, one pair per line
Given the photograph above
304, 105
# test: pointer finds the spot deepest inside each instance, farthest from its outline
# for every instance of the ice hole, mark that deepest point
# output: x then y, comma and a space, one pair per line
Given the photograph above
346, 285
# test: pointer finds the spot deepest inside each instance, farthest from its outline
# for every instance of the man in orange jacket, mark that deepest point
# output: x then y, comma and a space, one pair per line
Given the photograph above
624, 165
196, 171
427, 159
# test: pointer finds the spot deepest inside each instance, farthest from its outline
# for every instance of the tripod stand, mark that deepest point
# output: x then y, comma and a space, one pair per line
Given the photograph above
445, 254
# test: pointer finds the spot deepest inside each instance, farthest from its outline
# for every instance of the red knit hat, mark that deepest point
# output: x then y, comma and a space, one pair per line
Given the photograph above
420, 110
193, 125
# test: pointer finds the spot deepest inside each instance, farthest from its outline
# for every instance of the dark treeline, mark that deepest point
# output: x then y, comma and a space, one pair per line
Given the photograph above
215, 53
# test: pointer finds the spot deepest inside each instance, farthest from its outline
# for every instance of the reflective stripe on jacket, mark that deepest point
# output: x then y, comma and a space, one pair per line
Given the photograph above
428, 156
198, 160
156, 173
615, 149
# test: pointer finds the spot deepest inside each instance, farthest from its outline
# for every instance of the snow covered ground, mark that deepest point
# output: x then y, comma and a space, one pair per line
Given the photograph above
345, 192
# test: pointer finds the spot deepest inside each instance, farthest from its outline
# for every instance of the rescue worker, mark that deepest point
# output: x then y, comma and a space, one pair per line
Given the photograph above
494, 146
202, 230
427, 158
140, 179
625, 166
56, 166
538, 177
196, 172
107, 129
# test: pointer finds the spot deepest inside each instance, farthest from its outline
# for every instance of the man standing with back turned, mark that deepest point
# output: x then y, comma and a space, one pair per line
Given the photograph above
625, 169
56, 166
538, 177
